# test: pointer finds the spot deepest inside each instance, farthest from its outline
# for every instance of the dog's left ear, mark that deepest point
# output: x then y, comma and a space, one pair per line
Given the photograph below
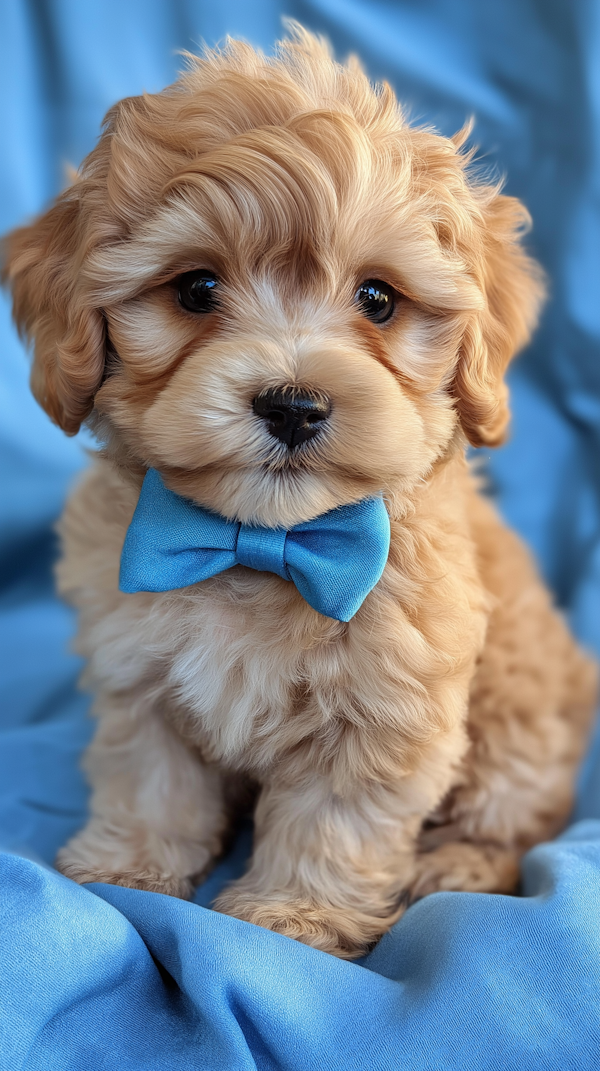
513, 290
42, 266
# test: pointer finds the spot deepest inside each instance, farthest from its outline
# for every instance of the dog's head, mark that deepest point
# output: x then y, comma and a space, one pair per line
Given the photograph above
267, 285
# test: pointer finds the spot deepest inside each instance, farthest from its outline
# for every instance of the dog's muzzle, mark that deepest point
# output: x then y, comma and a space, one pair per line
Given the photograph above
293, 416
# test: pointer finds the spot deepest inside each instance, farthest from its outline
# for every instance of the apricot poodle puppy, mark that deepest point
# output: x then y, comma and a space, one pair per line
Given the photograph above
275, 302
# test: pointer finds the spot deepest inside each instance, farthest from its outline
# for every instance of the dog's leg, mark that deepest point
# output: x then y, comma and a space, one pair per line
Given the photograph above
330, 870
530, 706
157, 811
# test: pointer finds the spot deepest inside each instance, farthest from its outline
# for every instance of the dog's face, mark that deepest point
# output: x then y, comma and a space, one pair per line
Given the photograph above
270, 288
300, 359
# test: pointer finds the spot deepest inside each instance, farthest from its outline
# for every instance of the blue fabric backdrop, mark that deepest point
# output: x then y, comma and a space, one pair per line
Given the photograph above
105, 977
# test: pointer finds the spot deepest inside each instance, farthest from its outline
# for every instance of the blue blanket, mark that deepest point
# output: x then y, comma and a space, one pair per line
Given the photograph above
112, 978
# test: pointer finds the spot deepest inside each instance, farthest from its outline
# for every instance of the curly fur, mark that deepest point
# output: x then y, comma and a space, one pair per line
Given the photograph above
428, 742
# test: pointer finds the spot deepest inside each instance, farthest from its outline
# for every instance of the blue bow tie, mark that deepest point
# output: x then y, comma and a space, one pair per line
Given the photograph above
334, 560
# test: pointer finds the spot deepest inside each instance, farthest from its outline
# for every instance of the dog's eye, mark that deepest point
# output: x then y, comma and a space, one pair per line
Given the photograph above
375, 300
198, 291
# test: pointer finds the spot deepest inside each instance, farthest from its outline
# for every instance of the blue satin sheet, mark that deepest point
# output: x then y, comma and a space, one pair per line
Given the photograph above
101, 977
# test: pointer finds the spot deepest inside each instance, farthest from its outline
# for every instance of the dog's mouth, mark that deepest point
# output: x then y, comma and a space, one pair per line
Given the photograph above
306, 456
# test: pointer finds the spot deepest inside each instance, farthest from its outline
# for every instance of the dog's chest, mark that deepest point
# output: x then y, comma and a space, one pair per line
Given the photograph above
250, 672
246, 668
256, 675
246, 671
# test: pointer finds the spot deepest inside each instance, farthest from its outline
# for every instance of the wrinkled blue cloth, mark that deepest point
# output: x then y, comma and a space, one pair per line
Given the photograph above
334, 560
104, 977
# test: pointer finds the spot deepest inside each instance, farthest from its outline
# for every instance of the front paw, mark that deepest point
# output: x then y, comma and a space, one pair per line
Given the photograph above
459, 866
341, 932
151, 881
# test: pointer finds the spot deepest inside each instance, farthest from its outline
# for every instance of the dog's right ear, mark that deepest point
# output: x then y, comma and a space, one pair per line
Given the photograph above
42, 266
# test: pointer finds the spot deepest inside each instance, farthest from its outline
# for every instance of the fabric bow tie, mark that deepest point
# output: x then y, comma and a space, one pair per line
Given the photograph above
334, 560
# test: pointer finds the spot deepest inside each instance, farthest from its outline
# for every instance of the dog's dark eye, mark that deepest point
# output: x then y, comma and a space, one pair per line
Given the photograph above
375, 300
198, 291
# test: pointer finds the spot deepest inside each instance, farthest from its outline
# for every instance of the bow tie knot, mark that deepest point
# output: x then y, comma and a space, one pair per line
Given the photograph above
262, 549
334, 560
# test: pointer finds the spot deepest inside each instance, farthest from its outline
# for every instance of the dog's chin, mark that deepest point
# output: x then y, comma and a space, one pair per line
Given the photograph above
273, 498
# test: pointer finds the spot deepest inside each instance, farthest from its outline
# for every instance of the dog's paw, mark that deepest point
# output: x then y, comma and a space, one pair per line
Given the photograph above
151, 881
463, 867
342, 933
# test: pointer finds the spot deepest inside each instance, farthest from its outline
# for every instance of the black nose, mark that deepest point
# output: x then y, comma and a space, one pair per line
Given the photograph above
292, 415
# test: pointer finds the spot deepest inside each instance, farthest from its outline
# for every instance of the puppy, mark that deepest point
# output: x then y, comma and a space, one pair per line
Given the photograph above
286, 305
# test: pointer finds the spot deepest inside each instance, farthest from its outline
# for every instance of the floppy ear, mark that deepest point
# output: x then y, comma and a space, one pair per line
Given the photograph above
513, 290
42, 265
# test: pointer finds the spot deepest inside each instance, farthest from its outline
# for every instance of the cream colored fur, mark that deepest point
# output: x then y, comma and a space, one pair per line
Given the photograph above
432, 739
